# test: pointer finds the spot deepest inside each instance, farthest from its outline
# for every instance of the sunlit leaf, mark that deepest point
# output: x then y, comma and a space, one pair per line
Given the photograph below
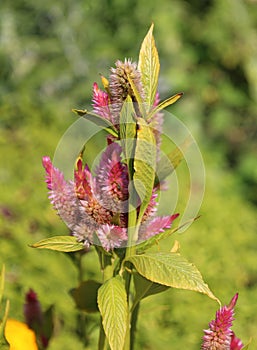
176, 247
59, 243
85, 295
164, 104
112, 302
149, 67
128, 132
144, 164
139, 105
172, 270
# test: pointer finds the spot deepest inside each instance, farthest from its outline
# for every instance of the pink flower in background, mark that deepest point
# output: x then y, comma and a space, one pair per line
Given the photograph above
35, 319
219, 336
32, 310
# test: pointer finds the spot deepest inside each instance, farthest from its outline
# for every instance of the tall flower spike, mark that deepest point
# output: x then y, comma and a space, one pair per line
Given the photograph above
219, 336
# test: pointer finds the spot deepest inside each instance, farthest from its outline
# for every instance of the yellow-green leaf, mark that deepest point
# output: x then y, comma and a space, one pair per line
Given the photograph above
169, 101
149, 67
128, 132
172, 270
144, 164
112, 303
139, 106
59, 243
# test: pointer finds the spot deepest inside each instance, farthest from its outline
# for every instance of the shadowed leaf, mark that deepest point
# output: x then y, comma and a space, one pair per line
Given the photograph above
85, 295
168, 163
98, 120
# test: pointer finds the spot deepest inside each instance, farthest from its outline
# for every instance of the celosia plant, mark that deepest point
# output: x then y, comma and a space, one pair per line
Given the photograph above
112, 208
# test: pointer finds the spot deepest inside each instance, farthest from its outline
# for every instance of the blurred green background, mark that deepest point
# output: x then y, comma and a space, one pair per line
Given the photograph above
51, 52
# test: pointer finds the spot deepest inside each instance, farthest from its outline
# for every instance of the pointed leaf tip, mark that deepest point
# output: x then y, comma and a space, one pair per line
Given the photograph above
149, 67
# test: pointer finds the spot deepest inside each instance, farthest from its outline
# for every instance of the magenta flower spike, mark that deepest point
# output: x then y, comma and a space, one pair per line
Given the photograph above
219, 336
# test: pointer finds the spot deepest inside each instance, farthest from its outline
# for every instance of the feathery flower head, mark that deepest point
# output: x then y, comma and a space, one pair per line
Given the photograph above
120, 86
219, 336
112, 178
112, 236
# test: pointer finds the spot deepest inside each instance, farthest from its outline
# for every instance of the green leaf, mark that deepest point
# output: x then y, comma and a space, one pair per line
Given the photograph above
98, 120
144, 164
139, 107
85, 296
164, 104
59, 243
168, 163
145, 287
172, 270
112, 302
149, 67
128, 132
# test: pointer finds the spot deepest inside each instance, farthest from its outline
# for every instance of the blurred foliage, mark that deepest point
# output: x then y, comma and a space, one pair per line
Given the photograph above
50, 54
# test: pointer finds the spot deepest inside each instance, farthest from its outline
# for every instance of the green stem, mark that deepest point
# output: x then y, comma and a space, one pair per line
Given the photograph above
133, 322
102, 343
107, 272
